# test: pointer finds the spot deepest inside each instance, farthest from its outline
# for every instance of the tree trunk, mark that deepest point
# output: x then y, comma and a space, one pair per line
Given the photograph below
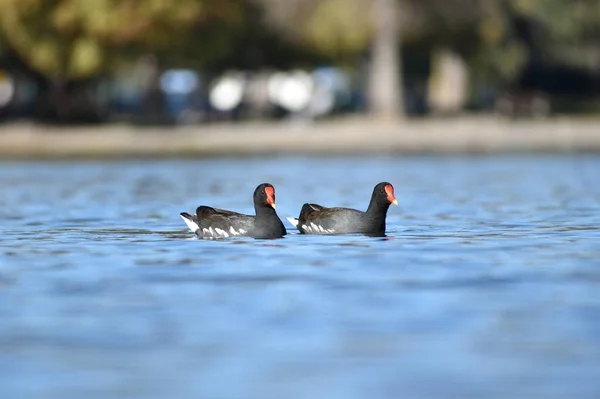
60, 102
385, 84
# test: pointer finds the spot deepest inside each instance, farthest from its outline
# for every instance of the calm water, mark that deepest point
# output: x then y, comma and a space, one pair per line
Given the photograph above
487, 285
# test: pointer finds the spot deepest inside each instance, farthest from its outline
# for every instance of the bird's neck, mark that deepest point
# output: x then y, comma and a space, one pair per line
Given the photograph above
265, 211
377, 211
377, 207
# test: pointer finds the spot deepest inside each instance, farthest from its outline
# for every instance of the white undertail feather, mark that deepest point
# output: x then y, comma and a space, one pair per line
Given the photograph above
190, 223
293, 221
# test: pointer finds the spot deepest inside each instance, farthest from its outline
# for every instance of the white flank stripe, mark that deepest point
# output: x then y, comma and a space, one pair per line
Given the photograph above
242, 231
205, 231
233, 232
293, 221
222, 233
193, 226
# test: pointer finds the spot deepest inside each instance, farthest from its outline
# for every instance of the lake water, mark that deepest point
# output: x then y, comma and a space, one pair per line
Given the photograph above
487, 284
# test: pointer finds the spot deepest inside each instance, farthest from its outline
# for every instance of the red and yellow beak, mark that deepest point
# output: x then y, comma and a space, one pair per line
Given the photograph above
389, 190
270, 191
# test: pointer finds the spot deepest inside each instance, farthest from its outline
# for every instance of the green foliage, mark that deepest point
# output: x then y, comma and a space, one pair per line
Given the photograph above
335, 28
75, 39
339, 26
563, 19
72, 39
567, 31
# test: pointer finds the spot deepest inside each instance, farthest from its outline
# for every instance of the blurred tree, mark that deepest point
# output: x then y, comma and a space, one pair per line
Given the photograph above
546, 45
551, 46
343, 31
67, 42
499, 39
559, 31
385, 87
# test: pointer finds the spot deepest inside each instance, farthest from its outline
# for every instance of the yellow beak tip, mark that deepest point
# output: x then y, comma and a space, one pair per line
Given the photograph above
273, 205
395, 202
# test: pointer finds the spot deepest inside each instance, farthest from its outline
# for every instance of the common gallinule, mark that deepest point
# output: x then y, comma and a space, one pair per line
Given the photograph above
317, 219
218, 223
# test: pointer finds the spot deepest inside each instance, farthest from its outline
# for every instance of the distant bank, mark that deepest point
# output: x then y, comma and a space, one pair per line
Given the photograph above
343, 136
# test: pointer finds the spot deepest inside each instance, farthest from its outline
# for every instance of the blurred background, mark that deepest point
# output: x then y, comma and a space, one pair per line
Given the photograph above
486, 284
198, 61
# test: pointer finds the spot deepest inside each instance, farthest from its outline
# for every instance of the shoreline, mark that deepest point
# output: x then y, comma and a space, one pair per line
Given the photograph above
345, 136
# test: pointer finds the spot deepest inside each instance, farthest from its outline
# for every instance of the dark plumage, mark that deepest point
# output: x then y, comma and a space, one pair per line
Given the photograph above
317, 219
211, 222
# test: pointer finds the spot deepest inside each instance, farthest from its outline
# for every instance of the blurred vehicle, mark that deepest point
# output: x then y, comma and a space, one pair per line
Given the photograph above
181, 88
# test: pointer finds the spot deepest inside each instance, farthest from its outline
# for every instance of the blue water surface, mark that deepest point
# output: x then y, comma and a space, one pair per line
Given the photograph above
486, 285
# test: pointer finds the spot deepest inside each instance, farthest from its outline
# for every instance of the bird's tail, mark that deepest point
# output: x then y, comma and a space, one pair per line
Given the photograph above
190, 220
293, 221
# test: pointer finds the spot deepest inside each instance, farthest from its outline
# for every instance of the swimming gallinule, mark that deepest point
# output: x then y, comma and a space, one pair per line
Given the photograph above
317, 219
218, 223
